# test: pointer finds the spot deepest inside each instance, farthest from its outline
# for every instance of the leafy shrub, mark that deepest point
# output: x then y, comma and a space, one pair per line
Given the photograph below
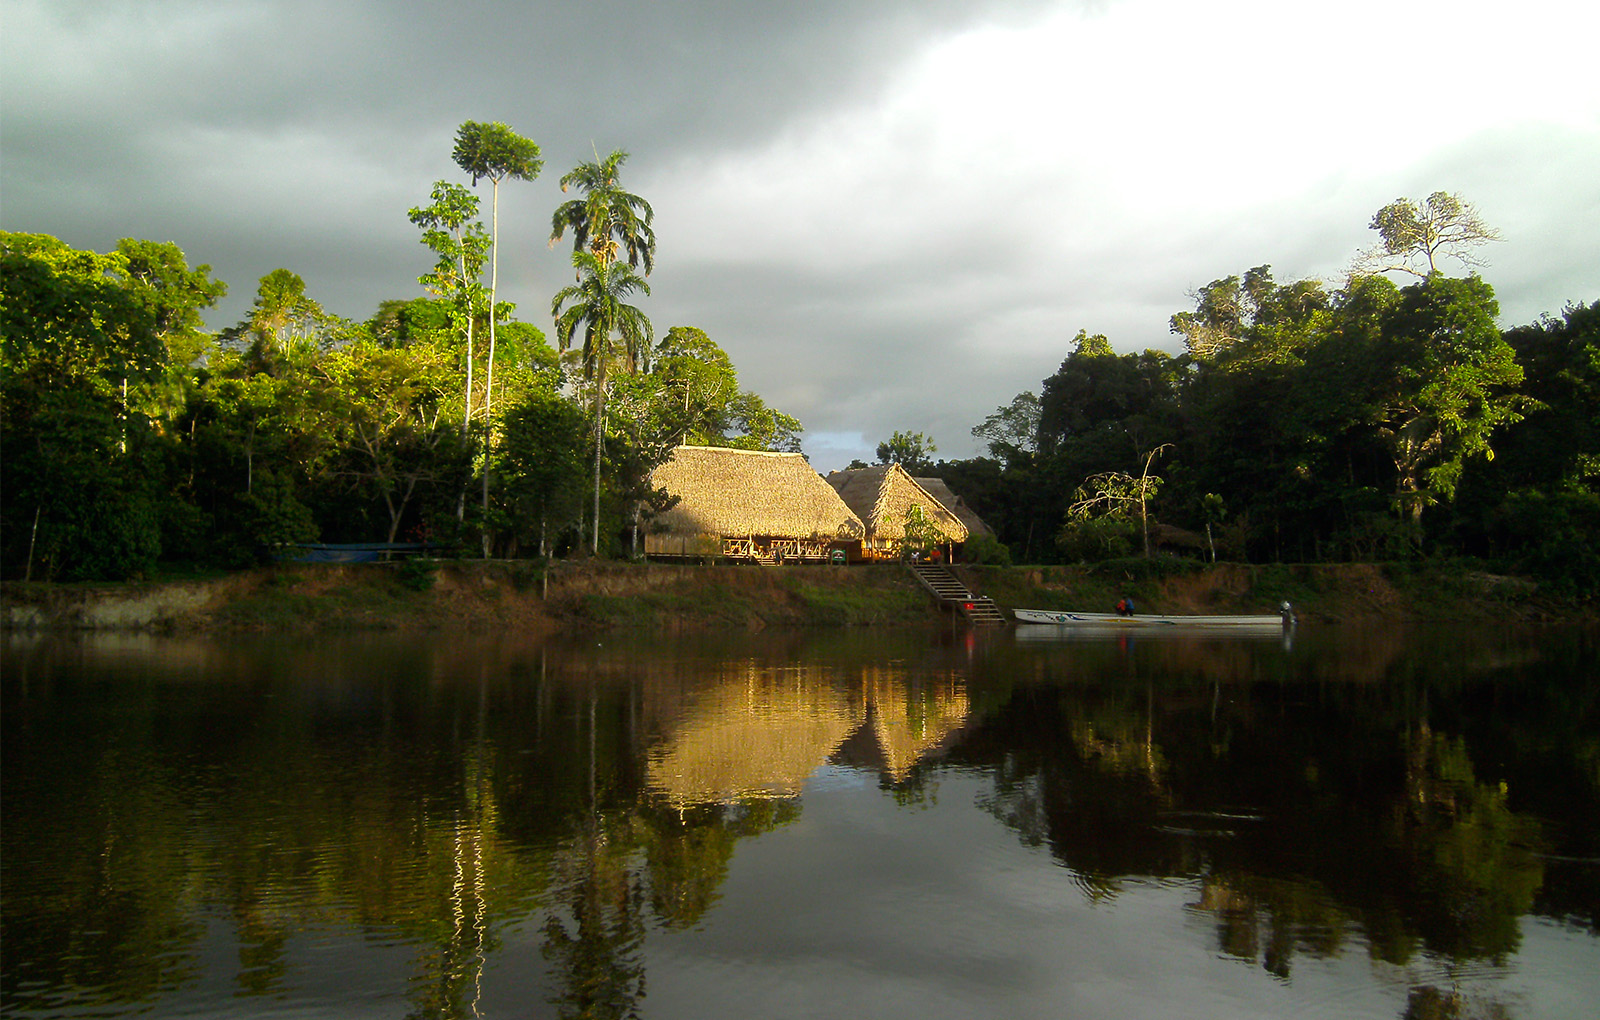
1555, 538
265, 519
416, 574
110, 533
1098, 538
988, 550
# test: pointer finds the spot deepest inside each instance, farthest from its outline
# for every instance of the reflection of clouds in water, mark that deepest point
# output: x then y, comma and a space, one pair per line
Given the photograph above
838, 779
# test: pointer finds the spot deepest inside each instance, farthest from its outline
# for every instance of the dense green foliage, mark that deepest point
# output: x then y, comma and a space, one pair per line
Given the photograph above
131, 436
1370, 422
1298, 423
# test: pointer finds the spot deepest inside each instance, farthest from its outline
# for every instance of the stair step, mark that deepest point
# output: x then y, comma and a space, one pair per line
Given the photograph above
943, 584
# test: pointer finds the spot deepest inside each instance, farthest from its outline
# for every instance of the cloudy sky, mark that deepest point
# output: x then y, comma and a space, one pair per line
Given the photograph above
892, 215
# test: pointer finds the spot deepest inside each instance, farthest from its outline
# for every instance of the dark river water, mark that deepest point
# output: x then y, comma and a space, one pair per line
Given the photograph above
1359, 823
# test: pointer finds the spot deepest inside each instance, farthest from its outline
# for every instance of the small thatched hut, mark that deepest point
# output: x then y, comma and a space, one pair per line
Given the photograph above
748, 505
955, 504
881, 496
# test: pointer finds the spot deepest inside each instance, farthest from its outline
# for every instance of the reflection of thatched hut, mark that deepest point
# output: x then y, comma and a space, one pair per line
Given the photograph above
748, 504
759, 734
753, 737
881, 497
955, 504
909, 723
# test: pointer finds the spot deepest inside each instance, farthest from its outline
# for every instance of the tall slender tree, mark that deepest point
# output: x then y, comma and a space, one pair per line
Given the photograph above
614, 333
494, 152
606, 219
451, 229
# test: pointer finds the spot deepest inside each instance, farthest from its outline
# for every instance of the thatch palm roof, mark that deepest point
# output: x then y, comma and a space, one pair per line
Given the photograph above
956, 505
744, 492
881, 495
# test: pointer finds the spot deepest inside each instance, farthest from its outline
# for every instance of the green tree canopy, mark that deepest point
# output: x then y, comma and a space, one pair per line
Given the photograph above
452, 231
157, 274
606, 218
78, 492
697, 384
911, 450
1442, 226
283, 324
1448, 385
1012, 430
494, 152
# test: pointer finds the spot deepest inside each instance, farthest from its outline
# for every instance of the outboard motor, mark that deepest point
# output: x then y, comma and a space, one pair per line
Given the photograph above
1287, 611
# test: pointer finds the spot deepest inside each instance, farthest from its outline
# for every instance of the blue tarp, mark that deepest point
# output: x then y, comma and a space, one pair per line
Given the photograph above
355, 552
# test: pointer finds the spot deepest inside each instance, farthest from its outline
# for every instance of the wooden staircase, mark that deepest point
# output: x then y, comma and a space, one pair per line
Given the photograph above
948, 589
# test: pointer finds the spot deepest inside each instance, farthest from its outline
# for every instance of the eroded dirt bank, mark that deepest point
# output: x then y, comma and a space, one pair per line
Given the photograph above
525, 596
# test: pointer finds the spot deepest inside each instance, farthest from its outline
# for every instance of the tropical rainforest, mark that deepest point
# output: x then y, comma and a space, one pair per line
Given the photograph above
1300, 422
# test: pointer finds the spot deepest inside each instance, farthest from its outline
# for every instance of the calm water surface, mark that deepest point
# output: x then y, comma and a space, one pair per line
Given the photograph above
897, 824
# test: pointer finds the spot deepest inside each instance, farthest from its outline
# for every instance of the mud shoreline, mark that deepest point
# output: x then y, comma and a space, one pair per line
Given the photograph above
481, 596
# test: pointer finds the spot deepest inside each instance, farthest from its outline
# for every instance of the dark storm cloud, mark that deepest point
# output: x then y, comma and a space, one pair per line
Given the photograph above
261, 134
893, 215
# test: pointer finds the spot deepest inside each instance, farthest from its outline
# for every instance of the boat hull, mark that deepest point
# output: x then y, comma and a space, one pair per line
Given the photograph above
1063, 618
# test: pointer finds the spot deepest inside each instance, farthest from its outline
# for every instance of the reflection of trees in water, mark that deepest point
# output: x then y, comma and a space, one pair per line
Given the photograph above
112, 925
449, 978
604, 894
433, 810
594, 933
1270, 919
1091, 781
687, 851
1301, 813
1462, 843
1428, 1002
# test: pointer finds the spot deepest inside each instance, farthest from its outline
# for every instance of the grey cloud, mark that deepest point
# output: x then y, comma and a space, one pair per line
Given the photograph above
265, 134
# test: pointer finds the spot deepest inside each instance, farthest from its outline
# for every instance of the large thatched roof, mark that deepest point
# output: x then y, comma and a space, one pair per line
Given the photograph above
881, 495
743, 492
956, 505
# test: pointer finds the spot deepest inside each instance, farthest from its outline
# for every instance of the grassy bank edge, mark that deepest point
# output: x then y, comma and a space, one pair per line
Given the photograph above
475, 595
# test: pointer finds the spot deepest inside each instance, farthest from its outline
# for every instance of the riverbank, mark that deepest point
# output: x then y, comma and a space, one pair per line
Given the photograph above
482, 596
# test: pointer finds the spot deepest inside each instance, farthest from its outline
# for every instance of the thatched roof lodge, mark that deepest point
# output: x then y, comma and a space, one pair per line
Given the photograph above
882, 495
936, 488
748, 504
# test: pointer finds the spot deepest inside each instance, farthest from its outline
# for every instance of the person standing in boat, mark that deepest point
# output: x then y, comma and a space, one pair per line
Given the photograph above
1125, 606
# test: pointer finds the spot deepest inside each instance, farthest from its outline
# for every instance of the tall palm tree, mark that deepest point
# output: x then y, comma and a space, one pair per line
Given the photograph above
606, 219
614, 332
